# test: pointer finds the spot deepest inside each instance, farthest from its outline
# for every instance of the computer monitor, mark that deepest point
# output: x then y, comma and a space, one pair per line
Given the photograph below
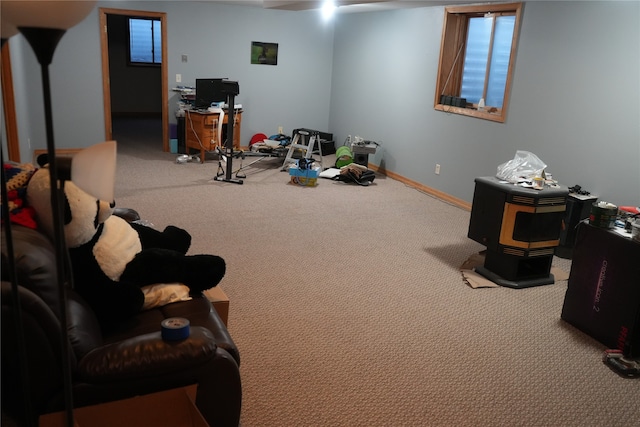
209, 91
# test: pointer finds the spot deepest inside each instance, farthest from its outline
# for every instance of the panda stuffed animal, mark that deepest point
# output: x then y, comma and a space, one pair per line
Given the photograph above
113, 259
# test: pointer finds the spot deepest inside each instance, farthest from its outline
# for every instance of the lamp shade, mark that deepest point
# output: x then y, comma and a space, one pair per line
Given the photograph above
93, 170
57, 14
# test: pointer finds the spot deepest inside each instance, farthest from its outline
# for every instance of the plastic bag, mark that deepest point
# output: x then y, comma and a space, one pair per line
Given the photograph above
524, 165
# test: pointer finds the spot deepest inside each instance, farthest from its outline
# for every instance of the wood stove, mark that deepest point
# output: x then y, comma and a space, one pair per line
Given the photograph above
520, 228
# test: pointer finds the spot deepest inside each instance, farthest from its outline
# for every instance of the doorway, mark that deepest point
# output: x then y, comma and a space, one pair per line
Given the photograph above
108, 78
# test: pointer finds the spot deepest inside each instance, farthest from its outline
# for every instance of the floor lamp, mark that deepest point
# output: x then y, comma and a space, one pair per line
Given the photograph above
43, 23
7, 31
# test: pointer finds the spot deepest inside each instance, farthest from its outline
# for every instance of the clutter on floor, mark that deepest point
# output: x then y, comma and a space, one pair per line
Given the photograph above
356, 174
304, 173
361, 150
305, 142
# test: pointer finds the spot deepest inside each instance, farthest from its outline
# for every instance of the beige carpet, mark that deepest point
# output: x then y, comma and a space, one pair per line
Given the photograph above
349, 308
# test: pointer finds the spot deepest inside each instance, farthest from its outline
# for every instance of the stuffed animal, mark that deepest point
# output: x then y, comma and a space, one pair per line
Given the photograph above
113, 259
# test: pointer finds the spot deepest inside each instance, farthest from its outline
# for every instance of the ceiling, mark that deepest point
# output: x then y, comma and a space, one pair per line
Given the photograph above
344, 6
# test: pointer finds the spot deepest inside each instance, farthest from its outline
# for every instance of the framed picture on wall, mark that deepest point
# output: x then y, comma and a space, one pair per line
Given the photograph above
264, 53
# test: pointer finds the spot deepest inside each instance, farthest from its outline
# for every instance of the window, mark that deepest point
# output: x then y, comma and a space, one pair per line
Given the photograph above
145, 41
477, 55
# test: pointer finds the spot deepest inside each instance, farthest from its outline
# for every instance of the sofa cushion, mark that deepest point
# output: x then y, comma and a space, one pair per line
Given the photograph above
35, 264
84, 331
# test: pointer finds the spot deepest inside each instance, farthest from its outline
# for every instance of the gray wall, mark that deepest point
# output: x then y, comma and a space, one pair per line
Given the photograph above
217, 41
76, 90
573, 100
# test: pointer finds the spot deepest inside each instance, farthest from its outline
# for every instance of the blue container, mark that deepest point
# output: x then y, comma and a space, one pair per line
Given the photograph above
304, 173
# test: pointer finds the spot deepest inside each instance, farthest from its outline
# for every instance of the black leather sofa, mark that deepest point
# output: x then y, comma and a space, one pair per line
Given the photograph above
107, 362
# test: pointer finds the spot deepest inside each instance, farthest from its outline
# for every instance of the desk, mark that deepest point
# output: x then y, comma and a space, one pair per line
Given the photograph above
201, 130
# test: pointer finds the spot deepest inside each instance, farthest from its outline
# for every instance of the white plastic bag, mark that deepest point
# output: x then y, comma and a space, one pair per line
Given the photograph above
524, 165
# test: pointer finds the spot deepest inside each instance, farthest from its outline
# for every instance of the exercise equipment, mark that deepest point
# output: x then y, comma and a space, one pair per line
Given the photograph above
231, 89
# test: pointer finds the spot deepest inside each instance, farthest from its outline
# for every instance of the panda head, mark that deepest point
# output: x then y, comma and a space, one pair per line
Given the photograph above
82, 213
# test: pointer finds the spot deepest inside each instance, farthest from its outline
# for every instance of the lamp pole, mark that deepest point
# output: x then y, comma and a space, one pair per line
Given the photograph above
43, 23
231, 89
44, 41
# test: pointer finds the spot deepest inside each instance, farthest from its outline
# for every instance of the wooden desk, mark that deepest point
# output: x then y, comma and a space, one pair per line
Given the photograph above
201, 130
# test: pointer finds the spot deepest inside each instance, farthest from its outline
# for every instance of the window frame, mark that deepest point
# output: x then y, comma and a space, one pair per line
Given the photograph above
155, 54
452, 54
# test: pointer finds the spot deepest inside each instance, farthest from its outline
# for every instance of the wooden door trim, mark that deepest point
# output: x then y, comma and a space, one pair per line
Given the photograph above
9, 104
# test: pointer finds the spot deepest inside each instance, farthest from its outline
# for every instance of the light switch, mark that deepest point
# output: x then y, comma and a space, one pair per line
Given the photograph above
178, 78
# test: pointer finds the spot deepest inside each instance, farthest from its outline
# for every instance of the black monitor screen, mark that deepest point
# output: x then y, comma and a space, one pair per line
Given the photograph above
209, 91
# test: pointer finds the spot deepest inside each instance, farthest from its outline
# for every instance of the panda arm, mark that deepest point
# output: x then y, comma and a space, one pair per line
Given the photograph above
173, 238
86, 271
107, 298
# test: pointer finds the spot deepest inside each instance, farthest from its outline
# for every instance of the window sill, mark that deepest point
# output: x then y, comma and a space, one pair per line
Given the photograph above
485, 115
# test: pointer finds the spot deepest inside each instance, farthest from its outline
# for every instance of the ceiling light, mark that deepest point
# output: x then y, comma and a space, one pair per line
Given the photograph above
328, 8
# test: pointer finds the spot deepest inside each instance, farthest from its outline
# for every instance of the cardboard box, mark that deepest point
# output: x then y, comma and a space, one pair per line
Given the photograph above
220, 302
171, 408
305, 173
304, 182
603, 296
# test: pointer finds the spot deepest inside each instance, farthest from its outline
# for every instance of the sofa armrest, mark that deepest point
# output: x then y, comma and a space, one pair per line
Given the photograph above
127, 214
200, 312
146, 355
41, 332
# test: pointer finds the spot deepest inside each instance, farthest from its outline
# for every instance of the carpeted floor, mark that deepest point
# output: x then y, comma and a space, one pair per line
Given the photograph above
349, 308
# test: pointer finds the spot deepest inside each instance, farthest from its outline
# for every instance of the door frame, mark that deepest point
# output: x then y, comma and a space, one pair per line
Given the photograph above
106, 83
9, 106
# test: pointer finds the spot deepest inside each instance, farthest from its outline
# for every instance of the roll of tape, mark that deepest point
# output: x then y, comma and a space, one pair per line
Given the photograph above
175, 329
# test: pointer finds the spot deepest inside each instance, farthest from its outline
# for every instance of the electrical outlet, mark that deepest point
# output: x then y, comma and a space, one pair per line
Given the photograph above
280, 130
184, 58
178, 78
437, 169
